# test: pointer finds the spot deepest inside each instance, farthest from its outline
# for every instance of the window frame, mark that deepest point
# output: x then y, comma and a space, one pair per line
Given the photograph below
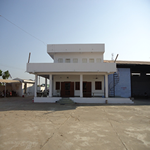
75, 60
84, 59
98, 60
67, 59
98, 85
91, 59
57, 86
77, 85
61, 60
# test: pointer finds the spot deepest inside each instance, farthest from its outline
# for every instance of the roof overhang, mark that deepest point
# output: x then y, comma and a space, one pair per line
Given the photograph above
9, 81
74, 48
51, 68
122, 62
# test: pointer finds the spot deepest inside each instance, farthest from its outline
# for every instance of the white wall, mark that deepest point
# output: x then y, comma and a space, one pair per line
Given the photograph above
17, 87
79, 56
30, 89
71, 67
75, 48
76, 78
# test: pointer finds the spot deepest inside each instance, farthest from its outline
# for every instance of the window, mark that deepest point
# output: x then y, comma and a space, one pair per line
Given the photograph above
84, 60
98, 60
60, 60
57, 85
77, 84
98, 85
91, 60
75, 60
67, 60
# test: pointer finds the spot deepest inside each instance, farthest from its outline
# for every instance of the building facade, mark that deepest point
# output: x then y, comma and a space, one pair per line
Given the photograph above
78, 72
132, 79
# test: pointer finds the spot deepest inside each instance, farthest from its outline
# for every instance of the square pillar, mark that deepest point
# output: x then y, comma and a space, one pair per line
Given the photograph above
81, 85
35, 87
45, 84
50, 85
106, 85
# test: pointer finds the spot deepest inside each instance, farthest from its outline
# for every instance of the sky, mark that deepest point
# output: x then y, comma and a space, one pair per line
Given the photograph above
28, 26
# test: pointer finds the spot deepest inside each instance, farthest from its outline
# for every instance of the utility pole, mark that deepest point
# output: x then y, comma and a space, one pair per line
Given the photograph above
112, 56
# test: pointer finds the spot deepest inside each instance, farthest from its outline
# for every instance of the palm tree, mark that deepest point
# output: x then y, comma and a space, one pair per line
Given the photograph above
6, 75
1, 72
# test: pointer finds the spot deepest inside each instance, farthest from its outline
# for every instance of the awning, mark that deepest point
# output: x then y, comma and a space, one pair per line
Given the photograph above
9, 81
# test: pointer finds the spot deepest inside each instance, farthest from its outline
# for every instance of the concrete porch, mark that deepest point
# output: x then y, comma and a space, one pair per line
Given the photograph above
92, 100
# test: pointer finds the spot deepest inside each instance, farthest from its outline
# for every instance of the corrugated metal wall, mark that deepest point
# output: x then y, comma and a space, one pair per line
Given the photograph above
140, 84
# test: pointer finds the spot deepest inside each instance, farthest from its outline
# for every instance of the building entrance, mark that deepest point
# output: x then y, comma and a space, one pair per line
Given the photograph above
86, 89
67, 89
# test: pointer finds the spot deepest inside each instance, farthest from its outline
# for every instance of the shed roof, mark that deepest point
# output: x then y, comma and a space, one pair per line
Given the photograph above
24, 80
129, 62
9, 81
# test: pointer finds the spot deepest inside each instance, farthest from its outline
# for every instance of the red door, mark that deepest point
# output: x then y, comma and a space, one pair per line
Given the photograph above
86, 89
67, 89
62, 89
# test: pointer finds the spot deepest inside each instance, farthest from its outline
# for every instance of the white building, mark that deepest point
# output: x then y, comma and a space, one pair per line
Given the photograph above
78, 72
20, 87
24, 88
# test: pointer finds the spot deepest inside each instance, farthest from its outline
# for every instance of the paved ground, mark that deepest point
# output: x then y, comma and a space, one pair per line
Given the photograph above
25, 126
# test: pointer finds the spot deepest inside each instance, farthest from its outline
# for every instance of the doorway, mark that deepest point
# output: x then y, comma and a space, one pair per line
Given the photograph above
67, 89
86, 89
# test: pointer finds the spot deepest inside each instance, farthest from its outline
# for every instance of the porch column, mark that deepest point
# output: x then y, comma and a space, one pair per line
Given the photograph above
50, 85
35, 87
45, 84
81, 83
106, 85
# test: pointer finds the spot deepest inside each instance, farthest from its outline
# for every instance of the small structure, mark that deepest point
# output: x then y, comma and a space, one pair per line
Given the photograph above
18, 86
132, 79
25, 88
78, 72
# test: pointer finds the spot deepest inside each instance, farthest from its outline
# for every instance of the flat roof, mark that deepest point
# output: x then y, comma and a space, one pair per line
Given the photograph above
9, 81
121, 62
25, 80
74, 48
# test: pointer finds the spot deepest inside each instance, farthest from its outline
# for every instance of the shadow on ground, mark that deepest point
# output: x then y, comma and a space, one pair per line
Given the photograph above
19, 103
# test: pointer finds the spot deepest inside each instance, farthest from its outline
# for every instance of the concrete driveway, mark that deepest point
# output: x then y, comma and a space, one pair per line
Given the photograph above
25, 125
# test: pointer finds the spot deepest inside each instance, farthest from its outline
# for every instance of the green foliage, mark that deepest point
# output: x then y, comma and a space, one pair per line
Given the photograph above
6, 75
1, 72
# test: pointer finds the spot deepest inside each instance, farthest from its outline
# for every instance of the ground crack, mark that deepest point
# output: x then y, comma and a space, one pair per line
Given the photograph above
46, 141
75, 118
115, 131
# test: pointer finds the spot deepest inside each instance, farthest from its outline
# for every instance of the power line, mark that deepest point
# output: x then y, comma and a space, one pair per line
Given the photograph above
23, 29
12, 67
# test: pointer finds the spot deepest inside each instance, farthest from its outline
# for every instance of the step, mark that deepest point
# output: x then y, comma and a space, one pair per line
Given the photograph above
65, 101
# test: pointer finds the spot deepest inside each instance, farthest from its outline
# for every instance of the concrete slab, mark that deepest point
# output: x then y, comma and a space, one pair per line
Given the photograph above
26, 125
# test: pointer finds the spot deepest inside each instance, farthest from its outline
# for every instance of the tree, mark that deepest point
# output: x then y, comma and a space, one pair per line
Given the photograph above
1, 72
1, 75
6, 75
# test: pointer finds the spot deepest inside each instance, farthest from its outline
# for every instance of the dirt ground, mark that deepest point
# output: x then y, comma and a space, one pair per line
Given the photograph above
28, 126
